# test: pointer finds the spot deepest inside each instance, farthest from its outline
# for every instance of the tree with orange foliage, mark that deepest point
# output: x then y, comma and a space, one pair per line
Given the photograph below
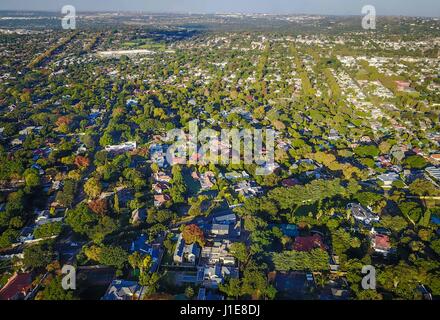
193, 234
99, 206
63, 124
82, 162
66, 120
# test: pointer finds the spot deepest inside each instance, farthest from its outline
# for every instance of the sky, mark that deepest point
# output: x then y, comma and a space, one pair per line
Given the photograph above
329, 7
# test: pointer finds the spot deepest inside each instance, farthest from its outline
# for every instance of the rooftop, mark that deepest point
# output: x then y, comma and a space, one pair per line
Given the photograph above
16, 286
308, 243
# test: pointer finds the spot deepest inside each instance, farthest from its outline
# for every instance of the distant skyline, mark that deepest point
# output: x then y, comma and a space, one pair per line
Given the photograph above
429, 8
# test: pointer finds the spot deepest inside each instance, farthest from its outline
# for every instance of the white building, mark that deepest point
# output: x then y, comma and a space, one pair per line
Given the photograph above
124, 147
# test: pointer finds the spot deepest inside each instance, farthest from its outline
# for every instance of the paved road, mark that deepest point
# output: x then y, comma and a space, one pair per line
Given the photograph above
34, 291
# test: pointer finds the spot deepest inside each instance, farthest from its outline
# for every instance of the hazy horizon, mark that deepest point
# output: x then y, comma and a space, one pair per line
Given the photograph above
427, 8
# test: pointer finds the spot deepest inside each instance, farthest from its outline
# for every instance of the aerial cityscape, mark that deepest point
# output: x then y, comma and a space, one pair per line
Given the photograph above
219, 156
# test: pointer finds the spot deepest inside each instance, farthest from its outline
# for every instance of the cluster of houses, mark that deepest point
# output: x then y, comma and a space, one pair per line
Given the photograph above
120, 289
214, 262
380, 241
161, 178
43, 217
385, 162
161, 183
301, 284
158, 155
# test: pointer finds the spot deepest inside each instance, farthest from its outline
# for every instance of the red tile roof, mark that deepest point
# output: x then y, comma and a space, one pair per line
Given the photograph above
162, 198
17, 285
382, 241
308, 243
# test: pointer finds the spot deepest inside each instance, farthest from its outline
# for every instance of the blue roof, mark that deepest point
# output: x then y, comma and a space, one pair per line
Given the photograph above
290, 230
435, 219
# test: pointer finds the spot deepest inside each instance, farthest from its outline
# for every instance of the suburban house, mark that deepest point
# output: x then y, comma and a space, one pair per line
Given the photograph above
227, 226
123, 147
207, 180
43, 217
124, 290
308, 243
230, 218
186, 254
216, 274
162, 177
362, 214
157, 155
384, 161
247, 188
142, 246
161, 199
160, 187
434, 172
218, 252
388, 178
17, 287
220, 229
380, 243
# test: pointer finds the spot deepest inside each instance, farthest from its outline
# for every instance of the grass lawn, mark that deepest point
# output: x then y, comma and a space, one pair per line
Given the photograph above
304, 210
